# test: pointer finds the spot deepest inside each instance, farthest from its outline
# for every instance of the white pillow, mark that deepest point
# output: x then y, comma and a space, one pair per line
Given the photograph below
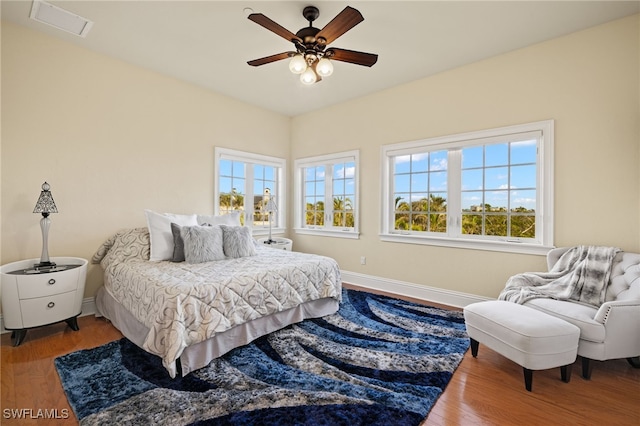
231, 219
160, 232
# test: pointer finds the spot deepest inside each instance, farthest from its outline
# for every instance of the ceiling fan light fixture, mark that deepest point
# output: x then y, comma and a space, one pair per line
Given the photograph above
297, 65
324, 67
308, 77
310, 59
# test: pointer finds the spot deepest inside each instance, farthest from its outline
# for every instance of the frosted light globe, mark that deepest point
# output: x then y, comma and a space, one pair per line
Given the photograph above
308, 77
297, 65
324, 67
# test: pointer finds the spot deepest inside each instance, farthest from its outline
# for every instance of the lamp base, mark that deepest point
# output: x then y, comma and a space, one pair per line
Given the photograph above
269, 241
44, 265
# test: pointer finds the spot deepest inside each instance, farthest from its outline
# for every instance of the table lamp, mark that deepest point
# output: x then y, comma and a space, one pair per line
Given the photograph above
46, 206
270, 208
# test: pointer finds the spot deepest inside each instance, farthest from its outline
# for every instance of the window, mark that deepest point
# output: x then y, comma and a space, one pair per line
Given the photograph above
326, 189
420, 192
246, 182
490, 190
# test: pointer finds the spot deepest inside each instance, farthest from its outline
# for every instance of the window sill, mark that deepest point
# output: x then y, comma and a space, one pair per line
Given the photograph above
502, 246
328, 233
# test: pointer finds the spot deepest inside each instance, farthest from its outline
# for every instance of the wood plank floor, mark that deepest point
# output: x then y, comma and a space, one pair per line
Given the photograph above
487, 390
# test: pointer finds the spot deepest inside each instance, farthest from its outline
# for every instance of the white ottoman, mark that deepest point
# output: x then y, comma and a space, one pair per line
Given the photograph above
531, 338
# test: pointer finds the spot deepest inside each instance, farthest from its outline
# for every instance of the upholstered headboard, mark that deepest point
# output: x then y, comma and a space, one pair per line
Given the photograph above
625, 274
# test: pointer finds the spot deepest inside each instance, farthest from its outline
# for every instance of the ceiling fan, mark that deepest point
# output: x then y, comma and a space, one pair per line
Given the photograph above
312, 58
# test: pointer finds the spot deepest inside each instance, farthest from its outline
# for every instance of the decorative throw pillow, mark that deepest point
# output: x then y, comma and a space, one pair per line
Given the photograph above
160, 232
178, 243
202, 243
237, 241
231, 219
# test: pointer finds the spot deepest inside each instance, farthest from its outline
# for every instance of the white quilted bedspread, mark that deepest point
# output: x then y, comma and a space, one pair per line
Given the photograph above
183, 304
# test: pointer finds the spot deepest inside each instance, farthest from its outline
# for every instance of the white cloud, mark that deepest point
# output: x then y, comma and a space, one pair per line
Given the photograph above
523, 143
349, 172
403, 159
524, 201
473, 198
439, 164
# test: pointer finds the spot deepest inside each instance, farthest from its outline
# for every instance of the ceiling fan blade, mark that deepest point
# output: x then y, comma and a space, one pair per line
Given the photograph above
343, 22
272, 58
351, 56
260, 19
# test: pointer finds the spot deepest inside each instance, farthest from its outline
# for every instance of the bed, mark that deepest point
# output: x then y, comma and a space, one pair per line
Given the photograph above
191, 313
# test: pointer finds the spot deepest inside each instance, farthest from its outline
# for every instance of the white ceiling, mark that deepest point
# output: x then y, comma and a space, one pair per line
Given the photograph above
208, 43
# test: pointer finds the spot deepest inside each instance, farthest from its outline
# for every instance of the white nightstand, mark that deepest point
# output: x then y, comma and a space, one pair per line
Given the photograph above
277, 243
33, 298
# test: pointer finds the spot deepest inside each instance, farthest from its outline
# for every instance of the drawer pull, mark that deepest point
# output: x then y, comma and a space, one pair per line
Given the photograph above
52, 281
50, 305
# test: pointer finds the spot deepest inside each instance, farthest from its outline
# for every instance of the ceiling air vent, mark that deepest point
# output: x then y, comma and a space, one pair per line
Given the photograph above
62, 19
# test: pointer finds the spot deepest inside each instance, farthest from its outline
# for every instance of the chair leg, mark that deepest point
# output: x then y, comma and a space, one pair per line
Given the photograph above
528, 378
474, 347
634, 361
565, 372
586, 368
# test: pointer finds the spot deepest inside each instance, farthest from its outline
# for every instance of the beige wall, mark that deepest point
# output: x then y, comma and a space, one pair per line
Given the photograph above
112, 139
587, 82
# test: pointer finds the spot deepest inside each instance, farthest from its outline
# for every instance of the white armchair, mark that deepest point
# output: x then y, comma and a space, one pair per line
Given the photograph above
611, 331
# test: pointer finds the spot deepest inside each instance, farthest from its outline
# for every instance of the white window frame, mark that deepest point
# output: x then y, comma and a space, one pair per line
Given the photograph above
251, 159
328, 161
539, 245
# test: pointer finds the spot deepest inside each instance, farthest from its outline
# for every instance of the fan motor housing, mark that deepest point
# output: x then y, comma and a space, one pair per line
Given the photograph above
308, 34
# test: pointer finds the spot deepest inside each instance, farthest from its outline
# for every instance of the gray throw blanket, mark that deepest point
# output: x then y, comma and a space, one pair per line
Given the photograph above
580, 275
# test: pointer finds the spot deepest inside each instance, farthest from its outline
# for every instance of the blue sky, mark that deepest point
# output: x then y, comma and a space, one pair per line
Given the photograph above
488, 162
343, 181
232, 175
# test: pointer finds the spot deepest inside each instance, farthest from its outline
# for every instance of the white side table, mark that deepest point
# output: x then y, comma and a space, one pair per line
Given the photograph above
277, 243
33, 298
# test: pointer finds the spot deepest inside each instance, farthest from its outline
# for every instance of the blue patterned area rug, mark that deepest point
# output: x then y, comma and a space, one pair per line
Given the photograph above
378, 361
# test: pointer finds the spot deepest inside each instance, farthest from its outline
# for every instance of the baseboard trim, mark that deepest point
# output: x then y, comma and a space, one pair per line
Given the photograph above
417, 291
88, 308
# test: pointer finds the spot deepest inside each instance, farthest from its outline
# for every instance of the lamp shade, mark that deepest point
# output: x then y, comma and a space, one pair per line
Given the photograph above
271, 206
45, 203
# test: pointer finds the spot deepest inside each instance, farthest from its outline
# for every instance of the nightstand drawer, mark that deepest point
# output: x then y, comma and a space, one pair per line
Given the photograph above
47, 310
30, 286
